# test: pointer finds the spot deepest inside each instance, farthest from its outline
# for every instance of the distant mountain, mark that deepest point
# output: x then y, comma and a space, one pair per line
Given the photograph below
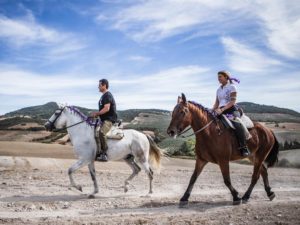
255, 111
39, 112
46, 110
250, 107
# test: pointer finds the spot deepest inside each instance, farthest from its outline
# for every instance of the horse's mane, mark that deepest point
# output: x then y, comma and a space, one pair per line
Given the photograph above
90, 121
207, 110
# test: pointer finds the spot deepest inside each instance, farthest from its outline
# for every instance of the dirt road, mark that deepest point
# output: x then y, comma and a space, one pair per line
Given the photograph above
36, 191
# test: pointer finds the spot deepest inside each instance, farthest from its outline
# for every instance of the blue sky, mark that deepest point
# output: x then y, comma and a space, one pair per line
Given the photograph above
150, 51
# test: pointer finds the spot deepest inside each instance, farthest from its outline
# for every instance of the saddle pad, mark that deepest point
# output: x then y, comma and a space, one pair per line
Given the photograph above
244, 119
115, 133
247, 121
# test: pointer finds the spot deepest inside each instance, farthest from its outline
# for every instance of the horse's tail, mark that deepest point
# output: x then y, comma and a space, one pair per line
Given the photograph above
155, 153
272, 158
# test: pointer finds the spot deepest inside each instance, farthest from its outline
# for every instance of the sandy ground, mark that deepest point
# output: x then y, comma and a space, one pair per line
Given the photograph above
36, 191
22, 135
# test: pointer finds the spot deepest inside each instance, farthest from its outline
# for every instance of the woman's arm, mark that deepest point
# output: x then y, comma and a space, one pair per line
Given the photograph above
216, 105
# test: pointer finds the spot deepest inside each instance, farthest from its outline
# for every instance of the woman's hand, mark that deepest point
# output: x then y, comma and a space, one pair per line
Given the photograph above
219, 111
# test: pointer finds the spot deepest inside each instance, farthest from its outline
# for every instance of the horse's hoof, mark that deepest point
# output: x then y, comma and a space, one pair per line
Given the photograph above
125, 189
79, 188
271, 196
237, 202
183, 204
245, 200
91, 196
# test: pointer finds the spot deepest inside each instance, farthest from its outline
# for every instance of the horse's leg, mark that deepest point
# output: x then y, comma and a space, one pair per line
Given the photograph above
135, 170
93, 175
150, 175
224, 166
198, 169
255, 177
264, 174
72, 169
143, 160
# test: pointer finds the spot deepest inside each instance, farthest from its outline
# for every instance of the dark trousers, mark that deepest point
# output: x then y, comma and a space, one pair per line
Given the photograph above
239, 131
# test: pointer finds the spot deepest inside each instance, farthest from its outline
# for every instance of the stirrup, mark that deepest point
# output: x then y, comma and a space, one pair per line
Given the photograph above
102, 157
244, 151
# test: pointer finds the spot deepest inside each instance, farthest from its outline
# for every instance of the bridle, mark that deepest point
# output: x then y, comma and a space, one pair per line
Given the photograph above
196, 132
57, 116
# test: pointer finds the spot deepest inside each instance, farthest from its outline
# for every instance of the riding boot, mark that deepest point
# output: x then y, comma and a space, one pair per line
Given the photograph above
103, 156
240, 134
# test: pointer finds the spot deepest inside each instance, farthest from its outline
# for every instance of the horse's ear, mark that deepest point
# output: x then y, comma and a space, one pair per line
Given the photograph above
61, 105
183, 98
179, 99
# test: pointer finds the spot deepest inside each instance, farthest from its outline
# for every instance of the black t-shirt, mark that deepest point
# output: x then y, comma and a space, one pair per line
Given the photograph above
111, 115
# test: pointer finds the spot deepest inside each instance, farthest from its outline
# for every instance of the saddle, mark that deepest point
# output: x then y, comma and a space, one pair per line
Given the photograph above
244, 120
115, 132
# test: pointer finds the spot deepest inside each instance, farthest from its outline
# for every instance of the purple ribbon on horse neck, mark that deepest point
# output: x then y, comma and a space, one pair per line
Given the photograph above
234, 79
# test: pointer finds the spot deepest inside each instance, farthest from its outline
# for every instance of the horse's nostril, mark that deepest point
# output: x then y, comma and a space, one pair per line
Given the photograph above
171, 133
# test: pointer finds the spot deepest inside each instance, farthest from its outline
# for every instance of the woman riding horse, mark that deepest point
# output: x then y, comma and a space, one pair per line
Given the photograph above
221, 147
225, 104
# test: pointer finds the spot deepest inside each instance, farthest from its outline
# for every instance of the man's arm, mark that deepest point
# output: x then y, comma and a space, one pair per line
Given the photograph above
102, 111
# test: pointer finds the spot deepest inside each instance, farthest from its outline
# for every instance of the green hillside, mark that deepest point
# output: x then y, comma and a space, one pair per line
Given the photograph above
40, 111
46, 110
157, 121
250, 107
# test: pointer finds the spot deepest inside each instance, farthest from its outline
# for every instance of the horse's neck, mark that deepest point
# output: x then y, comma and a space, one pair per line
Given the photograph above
72, 118
200, 119
79, 130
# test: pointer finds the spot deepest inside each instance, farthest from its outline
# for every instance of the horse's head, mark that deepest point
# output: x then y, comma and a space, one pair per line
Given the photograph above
181, 117
57, 120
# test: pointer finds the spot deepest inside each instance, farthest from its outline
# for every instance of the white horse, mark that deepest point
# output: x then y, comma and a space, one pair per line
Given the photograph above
135, 148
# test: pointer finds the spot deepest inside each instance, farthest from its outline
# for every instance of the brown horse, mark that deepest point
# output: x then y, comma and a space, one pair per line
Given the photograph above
221, 148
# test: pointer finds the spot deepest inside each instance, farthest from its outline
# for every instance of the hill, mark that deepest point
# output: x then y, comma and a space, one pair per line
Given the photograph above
267, 113
39, 112
154, 120
42, 112
250, 107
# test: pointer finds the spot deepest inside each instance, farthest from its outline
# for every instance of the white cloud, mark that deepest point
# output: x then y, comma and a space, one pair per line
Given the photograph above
278, 21
26, 31
22, 32
139, 58
130, 92
14, 81
242, 58
156, 90
150, 21
281, 23
160, 90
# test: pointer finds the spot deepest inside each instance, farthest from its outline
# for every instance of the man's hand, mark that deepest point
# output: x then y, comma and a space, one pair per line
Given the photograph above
94, 114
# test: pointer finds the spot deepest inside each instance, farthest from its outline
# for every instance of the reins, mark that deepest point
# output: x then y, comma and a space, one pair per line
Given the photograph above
57, 130
64, 128
196, 132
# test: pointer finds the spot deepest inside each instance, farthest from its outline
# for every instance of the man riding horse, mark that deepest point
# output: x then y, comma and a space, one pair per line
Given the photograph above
108, 116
